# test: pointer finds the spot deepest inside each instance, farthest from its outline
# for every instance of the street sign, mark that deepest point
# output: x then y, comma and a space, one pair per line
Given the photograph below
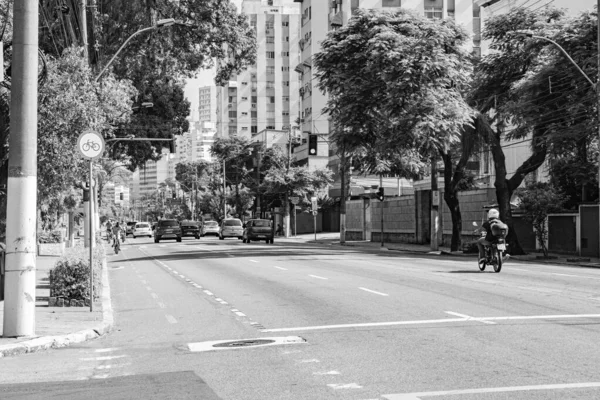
315, 213
313, 201
294, 199
91, 145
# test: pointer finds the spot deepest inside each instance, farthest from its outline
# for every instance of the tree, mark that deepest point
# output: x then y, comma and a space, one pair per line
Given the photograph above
208, 33
527, 89
537, 200
413, 106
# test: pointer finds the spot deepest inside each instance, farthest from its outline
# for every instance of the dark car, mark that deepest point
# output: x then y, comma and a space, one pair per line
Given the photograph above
258, 229
190, 228
167, 229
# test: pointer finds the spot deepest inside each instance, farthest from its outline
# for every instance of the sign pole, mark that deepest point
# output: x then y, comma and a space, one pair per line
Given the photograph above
92, 239
295, 219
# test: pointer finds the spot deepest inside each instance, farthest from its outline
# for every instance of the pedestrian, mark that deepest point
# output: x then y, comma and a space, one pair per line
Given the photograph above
279, 230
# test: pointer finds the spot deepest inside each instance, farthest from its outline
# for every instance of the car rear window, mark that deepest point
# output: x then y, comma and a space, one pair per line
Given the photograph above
211, 223
261, 223
168, 223
131, 223
232, 222
142, 226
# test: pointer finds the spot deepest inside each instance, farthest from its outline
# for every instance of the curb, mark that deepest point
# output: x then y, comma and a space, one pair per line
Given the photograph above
55, 342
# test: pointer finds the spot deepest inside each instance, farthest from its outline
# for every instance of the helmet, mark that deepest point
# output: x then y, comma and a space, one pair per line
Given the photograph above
493, 213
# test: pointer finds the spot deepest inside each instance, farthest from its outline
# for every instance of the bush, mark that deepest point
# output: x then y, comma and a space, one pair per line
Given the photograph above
49, 237
70, 277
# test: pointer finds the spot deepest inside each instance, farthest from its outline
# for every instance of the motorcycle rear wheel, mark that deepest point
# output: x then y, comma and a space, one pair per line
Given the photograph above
482, 265
498, 264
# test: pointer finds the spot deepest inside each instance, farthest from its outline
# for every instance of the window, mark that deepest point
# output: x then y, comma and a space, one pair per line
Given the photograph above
284, 54
254, 129
391, 3
285, 23
285, 113
244, 98
285, 69
270, 39
272, 99
253, 114
270, 69
433, 12
232, 114
270, 126
286, 83
270, 54
286, 98
244, 128
254, 99
244, 114
230, 99
270, 85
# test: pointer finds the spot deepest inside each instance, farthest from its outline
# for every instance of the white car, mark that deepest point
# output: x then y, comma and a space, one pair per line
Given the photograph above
141, 229
231, 227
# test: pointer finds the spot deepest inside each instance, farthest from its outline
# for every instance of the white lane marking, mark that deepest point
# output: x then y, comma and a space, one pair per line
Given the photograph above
327, 373
106, 350
239, 314
254, 261
208, 292
104, 367
312, 360
100, 376
554, 273
161, 305
209, 346
430, 321
171, 319
105, 358
154, 295
418, 395
469, 318
283, 269
337, 386
318, 277
373, 291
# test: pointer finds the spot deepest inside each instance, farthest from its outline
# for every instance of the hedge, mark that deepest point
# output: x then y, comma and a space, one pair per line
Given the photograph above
49, 237
70, 276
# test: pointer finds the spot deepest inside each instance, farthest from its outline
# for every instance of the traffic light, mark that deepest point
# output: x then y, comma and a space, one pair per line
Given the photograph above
121, 196
380, 194
312, 144
174, 195
172, 144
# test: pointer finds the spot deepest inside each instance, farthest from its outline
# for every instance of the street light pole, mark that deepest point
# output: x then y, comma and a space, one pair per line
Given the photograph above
595, 86
19, 304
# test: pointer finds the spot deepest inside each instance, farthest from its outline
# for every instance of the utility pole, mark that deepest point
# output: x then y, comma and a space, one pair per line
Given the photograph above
224, 188
286, 200
19, 303
83, 28
343, 196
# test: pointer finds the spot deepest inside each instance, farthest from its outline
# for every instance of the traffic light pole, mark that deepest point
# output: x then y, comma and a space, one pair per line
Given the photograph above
381, 186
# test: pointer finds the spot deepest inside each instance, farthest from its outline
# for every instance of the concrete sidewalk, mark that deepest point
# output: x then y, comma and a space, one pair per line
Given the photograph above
59, 326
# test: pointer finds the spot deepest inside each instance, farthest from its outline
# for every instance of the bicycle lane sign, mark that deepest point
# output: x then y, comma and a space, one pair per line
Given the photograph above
91, 144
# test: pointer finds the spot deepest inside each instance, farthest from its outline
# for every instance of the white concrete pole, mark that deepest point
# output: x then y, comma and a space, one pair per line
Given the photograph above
19, 303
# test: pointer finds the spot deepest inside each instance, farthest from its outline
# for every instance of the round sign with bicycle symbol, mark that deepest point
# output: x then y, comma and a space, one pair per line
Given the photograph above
91, 144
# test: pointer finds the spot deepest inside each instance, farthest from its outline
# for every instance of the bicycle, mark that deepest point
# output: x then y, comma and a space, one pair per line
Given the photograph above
90, 144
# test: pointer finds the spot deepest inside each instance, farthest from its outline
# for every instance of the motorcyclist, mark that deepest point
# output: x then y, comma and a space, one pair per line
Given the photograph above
486, 232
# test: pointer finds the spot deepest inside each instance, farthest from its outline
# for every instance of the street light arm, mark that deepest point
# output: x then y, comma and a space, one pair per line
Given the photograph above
529, 34
151, 28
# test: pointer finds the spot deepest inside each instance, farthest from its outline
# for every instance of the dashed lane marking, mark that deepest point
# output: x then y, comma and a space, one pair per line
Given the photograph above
283, 269
254, 261
104, 358
373, 291
327, 373
318, 277
337, 386
107, 350
171, 319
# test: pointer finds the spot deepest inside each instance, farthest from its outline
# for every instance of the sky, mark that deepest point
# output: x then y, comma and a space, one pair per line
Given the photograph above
205, 77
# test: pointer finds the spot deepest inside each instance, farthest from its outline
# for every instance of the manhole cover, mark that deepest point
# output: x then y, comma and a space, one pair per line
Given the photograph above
244, 343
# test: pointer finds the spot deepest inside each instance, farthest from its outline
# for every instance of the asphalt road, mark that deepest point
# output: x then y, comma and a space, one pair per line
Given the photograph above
210, 319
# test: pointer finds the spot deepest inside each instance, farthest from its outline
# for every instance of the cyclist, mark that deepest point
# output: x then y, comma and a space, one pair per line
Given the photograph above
117, 232
108, 230
486, 232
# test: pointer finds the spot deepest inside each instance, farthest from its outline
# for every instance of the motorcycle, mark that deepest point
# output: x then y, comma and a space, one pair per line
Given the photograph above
495, 252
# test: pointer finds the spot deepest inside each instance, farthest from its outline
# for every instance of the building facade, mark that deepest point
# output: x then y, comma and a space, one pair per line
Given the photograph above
265, 95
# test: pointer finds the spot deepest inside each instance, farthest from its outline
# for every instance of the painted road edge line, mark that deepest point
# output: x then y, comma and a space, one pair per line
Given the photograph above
418, 395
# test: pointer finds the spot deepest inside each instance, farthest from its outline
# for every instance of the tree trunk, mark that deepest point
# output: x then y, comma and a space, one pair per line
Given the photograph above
451, 199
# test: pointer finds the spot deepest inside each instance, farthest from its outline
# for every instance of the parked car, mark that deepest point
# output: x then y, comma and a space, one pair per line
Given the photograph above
129, 228
210, 228
190, 228
167, 229
231, 227
258, 229
142, 229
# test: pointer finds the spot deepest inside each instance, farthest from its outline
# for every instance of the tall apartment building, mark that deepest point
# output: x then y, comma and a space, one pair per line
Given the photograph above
265, 95
147, 178
207, 104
